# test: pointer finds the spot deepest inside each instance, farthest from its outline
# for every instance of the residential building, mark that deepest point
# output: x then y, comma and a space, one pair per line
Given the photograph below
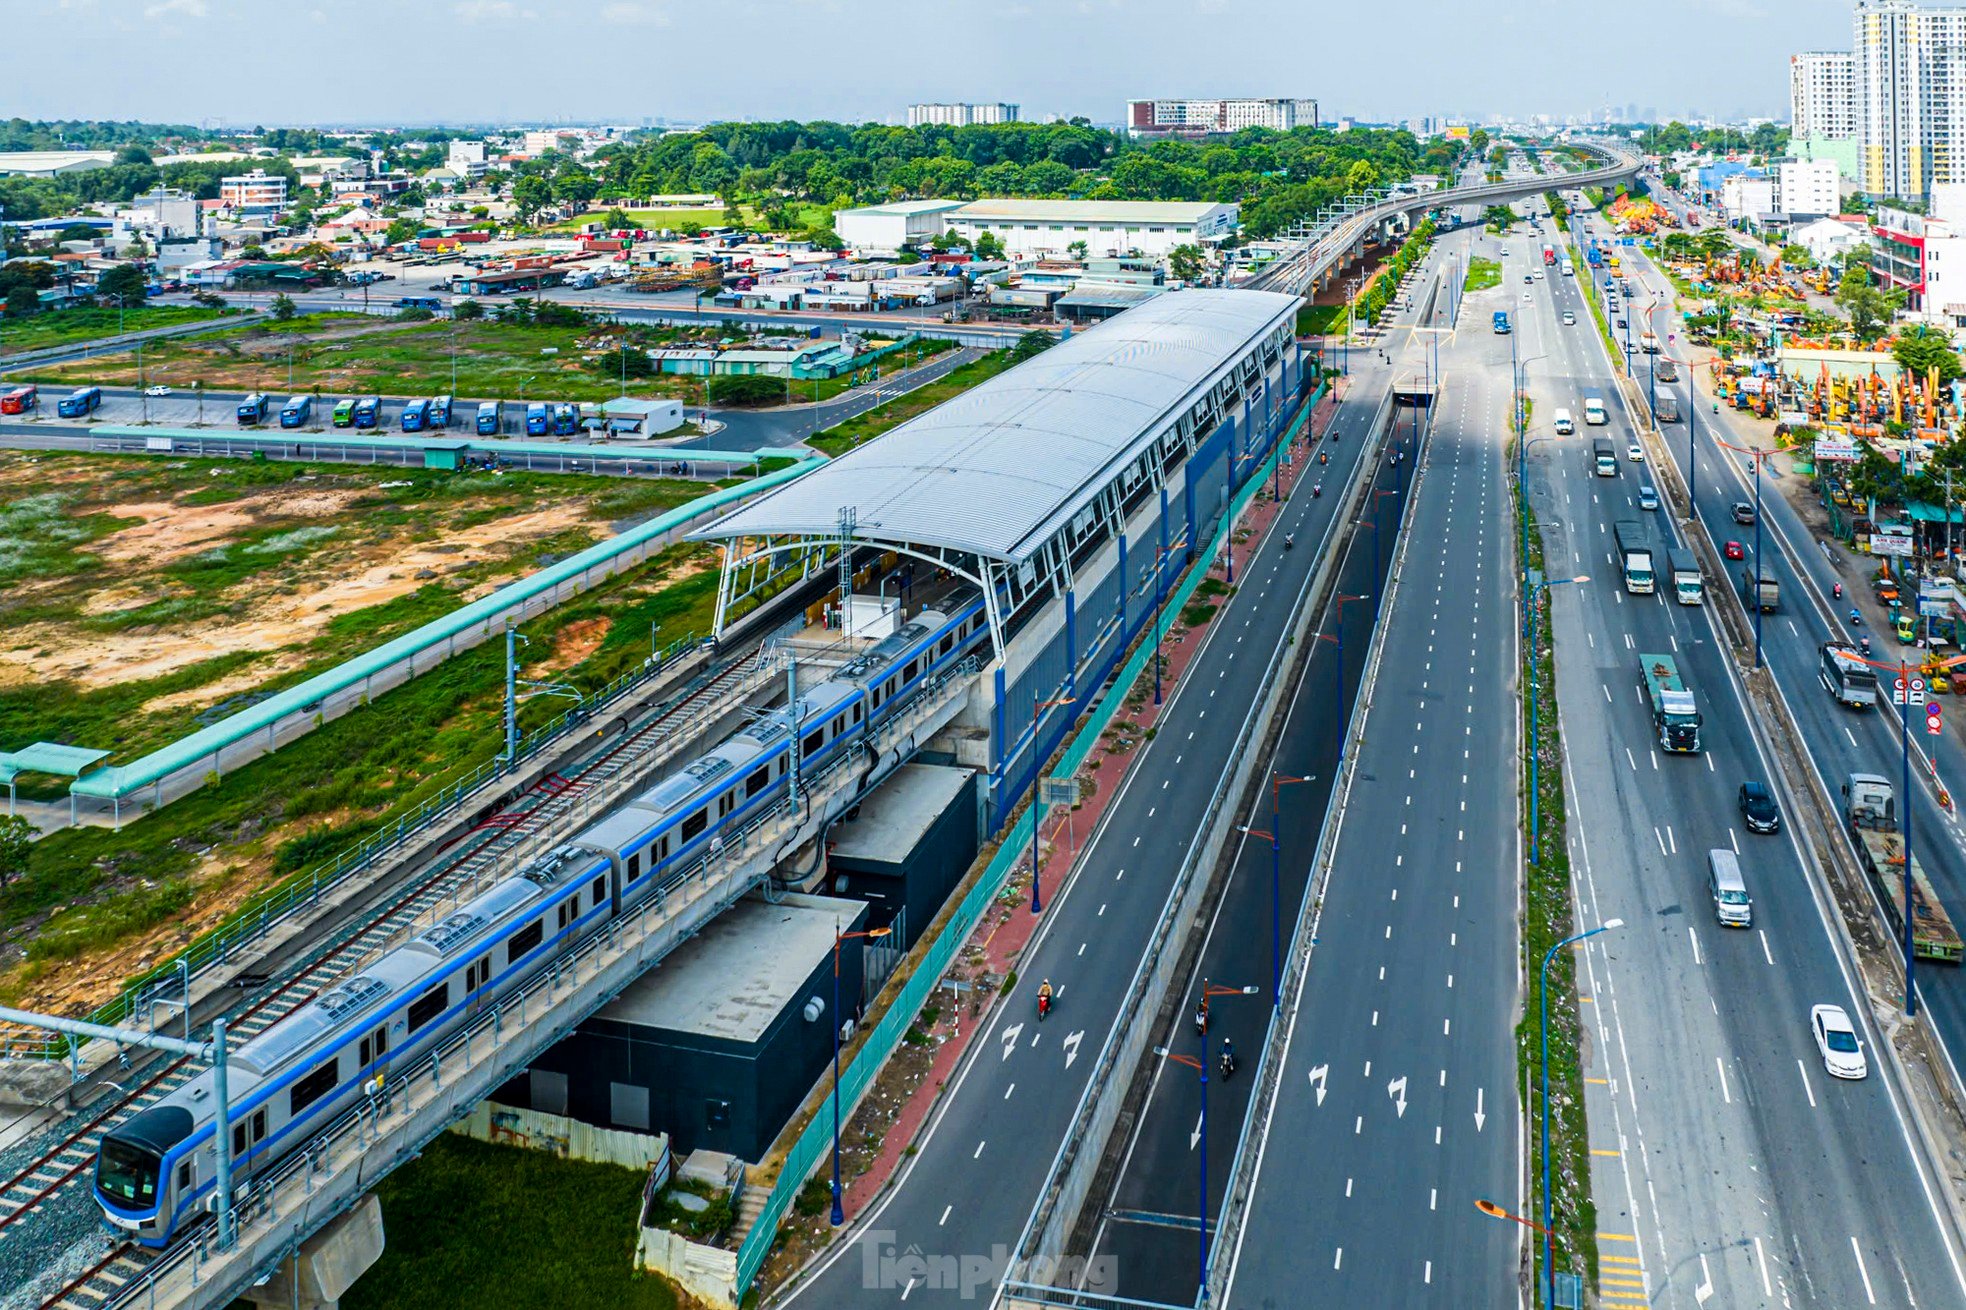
1748, 197
466, 158
1924, 256
167, 212
175, 254
1106, 227
52, 163
1827, 238
1909, 81
1823, 94
257, 192
960, 115
1807, 188
538, 143
1200, 117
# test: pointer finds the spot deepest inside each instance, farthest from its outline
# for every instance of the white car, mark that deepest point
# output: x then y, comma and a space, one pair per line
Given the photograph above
157, 389
1569, 319
1526, 297
1538, 275
1635, 453
1836, 1038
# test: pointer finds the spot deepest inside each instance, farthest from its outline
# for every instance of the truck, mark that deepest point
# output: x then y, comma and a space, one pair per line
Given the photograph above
1604, 457
1869, 806
1569, 269
1846, 677
1648, 341
491, 418
1595, 414
1549, 254
1760, 590
1666, 409
1501, 322
1689, 586
1634, 556
1674, 715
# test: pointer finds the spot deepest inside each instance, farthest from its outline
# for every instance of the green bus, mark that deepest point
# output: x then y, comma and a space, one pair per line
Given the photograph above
344, 413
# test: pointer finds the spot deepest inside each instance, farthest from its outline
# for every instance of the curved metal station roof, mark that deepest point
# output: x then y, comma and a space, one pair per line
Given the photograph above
995, 471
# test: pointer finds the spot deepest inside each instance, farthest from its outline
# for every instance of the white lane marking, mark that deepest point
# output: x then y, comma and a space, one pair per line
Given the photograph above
1725, 1095
1765, 952
1694, 937
1859, 1253
1008, 1090
1761, 1259
945, 1216
979, 1152
1807, 1090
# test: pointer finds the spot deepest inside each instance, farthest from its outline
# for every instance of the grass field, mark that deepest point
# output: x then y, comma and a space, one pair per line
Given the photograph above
1483, 274
470, 1225
844, 436
1320, 320
140, 598
68, 327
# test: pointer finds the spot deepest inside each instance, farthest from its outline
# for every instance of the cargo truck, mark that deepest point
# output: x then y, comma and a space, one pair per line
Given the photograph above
1595, 415
1760, 590
1634, 556
1689, 585
1674, 716
1666, 409
1846, 677
1604, 457
1549, 254
1501, 322
1869, 808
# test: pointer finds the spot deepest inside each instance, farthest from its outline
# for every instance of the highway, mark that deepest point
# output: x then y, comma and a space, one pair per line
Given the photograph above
963, 1198
1727, 1164
1397, 1103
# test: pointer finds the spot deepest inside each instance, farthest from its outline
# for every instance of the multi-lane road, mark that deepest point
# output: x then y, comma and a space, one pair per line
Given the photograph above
1726, 1162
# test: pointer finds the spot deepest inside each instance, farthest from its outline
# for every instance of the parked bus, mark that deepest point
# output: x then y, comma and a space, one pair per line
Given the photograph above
367, 410
20, 400
566, 420
79, 404
344, 412
440, 412
252, 410
416, 416
296, 412
419, 302
491, 418
536, 420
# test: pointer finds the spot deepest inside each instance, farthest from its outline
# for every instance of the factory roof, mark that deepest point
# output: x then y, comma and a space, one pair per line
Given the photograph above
903, 207
1091, 211
997, 471
53, 161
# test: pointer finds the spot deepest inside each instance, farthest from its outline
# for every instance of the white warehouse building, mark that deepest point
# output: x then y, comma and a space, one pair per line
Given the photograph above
1107, 227
886, 229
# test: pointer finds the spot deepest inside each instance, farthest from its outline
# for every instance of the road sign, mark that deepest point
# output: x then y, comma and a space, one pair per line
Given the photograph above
1898, 691
1932, 724
1058, 791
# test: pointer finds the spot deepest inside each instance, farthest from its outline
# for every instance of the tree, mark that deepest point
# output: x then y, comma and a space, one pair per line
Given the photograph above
1870, 309
465, 311
283, 308
1478, 140
616, 219
78, 232
530, 194
624, 362
125, 285
1186, 262
1920, 350
23, 301
1030, 345
750, 389
16, 838
1078, 249
988, 246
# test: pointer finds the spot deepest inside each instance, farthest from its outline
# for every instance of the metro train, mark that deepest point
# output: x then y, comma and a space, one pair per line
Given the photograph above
156, 1171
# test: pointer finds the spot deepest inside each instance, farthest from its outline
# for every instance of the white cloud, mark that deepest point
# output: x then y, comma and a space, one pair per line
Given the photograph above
176, 8
489, 11
627, 12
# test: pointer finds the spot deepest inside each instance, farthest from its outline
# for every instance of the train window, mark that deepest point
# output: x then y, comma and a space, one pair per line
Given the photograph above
313, 1087
524, 940
695, 824
184, 1176
565, 913
948, 643
839, 725
377, 1046
661, 852
470, 978
908, 673
600, 887
431, 1004
812, 743
724, 804
856, 711
757, 782
238, 1140
259, 1125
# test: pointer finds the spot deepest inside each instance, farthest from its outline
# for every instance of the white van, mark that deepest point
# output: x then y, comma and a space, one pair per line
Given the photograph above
1564, 423
1594, 413
1731, 905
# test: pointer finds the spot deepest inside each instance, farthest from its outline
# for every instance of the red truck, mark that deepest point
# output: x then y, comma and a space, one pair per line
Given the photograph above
1549, 253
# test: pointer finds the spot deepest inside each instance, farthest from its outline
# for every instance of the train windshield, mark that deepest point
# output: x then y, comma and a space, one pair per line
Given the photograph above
127, 1173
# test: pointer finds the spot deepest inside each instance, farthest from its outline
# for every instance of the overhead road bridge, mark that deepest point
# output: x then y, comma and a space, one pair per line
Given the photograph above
1335, 243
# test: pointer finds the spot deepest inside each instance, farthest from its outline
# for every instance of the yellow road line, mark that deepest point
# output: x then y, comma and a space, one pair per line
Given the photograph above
1598, 1150
1616, 1237
1600, 1082
1622, 1298
1621, 1282
1623, 1259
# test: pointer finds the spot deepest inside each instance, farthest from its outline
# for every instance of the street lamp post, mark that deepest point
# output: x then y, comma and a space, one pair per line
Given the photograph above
1338, 604
1278, 781
1549, 1241
1537, 584
839, 1211
1200, 1066
1378, 565
1037, 765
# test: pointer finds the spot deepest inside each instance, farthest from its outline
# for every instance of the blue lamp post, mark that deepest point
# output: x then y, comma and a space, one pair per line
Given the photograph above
1338, 604
1278, 781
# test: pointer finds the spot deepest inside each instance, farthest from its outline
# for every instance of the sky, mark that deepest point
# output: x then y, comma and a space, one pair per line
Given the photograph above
238, 63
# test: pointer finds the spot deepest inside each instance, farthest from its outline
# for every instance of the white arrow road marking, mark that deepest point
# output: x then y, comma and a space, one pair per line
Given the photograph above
1317, 1080
1010, 1036
1480, 1116
1194, 1138
1072, 1047
1705, 1289
1397, 1090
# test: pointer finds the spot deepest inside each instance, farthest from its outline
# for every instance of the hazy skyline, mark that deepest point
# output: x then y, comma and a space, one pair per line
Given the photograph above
245, 62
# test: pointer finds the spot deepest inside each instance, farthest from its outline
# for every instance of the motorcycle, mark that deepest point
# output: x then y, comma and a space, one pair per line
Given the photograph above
1856, 619
1837, 591
1227, 1064
1201, 1021
1044, 1006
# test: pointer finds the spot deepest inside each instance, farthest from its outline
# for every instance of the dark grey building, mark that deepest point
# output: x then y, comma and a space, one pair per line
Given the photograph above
907, 847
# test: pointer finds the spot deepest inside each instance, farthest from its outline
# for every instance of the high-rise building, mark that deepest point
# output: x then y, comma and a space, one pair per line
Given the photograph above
960, 115
1823, 94
1200, 117
1909, 79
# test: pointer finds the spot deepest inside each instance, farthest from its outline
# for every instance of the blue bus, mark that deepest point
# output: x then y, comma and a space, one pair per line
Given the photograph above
491, 418
1501, 322
79, 404
419, 302
440, 412
566, 420
252, 410
367, 410
296, 411
416, 416
536, 421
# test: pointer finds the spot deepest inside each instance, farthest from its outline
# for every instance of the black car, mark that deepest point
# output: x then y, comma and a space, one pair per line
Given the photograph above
1758, 808
1743, 513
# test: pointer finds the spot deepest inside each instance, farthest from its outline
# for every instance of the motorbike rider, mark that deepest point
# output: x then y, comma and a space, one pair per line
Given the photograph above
1228, 1058
1836, 590
1856, 619
1044, 997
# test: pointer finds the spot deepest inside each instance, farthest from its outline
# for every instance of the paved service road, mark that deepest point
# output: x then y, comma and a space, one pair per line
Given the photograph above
1727, 1165
1397, 1103
989, 1143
